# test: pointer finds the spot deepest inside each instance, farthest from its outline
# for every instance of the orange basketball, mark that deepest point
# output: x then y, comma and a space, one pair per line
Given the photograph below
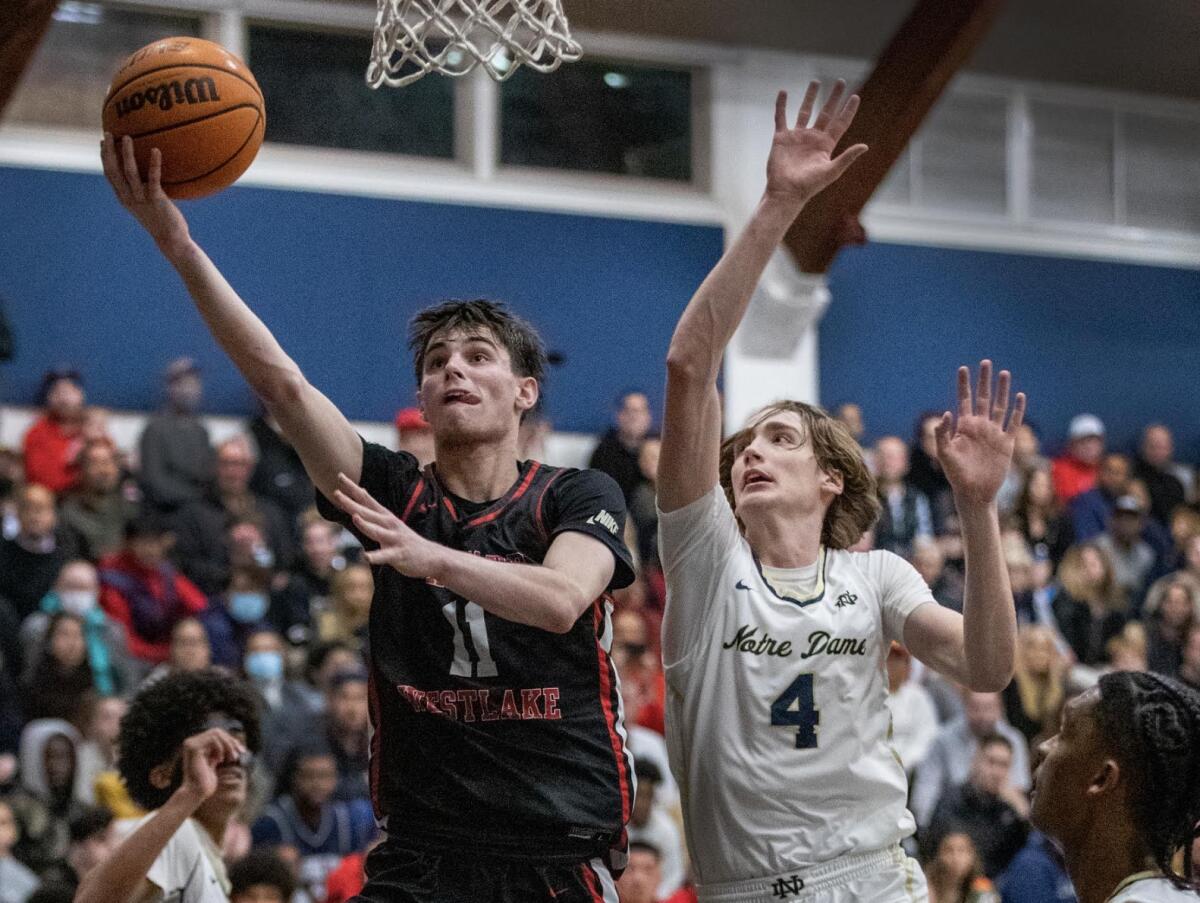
197, 103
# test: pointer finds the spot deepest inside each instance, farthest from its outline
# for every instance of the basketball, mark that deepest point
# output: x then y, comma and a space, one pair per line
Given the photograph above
197, 103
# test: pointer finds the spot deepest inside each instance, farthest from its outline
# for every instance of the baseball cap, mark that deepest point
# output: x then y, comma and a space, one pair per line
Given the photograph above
1085, 425
1128, 504
411, 419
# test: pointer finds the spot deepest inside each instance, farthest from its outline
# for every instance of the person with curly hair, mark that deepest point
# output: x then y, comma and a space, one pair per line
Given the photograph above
186, 745
1118, 788
261, 876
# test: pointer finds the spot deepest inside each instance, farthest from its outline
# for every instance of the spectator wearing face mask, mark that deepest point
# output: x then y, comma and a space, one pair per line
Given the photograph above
286, 716
54, 439
77, 592
97, 511
143, 592
177, 460
235, 614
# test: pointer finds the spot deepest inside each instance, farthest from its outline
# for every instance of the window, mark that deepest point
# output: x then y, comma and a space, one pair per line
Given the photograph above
1072, 156
68, 77
600, 117
1162, 172
963, 155
316, 94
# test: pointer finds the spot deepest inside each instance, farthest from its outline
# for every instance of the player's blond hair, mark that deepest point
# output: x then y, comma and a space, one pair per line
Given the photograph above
850, 514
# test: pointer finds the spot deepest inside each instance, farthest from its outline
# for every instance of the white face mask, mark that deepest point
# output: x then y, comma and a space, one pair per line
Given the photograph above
78, 601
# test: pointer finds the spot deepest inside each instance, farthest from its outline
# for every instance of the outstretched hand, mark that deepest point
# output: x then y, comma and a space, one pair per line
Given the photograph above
399, 546
146, 200
975, 452
801, 163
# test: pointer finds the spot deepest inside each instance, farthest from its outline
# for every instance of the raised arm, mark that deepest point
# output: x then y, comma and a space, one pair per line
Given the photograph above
800, 165
975, 648
324, 439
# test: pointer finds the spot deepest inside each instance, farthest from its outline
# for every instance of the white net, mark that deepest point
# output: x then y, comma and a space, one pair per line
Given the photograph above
415, 37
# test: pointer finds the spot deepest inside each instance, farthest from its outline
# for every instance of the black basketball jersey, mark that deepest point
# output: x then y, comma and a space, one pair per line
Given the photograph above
488, 734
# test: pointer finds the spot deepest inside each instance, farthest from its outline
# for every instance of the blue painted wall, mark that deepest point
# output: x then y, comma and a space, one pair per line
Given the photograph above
1119, 340
336, 278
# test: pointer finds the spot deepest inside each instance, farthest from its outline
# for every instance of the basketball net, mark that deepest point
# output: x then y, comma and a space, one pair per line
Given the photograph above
415, 37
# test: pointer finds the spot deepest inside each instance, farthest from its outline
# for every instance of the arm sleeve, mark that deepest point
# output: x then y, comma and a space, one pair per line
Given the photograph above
901, 591
591, 502
694, 544
387, 475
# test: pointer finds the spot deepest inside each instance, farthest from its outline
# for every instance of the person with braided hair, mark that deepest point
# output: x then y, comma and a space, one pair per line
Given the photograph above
1119, 788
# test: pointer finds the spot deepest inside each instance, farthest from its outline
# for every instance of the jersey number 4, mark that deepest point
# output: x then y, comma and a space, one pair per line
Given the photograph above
472, 651
795, 708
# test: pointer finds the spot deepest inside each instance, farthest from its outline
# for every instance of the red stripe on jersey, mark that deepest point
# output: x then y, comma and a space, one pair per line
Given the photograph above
610, 713
534, 467
412, 501
450, 507
376, 742
592, 885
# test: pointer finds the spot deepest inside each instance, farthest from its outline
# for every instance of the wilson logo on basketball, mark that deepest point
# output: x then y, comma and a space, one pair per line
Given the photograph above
166, 96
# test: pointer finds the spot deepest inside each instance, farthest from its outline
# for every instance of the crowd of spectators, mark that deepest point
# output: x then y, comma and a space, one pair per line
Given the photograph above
120, 566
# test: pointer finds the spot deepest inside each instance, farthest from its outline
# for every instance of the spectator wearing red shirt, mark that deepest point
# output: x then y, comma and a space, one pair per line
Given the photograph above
141, 590
1075, 470
55, 438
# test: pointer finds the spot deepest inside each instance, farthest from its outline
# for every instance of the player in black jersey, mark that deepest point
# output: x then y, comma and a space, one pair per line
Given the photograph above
498, 765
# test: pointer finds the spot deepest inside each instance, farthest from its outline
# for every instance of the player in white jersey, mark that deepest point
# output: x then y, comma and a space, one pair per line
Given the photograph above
775, 636
1118, 787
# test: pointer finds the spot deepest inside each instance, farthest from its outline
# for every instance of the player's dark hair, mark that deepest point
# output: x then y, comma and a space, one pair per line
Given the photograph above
167, 712
1151, 724
518, 337
262, 867
851, 513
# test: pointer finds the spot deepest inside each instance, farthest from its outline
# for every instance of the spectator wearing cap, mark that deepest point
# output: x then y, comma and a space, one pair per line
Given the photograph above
53, 440
1168, 482
650, 823
141, 590
177, 460
1132, 557
1076, 469
97, 511
279, 475
617, 452
30, 562
201, 526
1091, 509
414, 435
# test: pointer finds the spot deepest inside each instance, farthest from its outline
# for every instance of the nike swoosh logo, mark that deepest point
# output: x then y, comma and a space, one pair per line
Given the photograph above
741, 584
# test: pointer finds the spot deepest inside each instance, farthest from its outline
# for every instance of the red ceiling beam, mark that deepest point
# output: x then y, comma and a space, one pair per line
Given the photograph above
21, 28
931, 46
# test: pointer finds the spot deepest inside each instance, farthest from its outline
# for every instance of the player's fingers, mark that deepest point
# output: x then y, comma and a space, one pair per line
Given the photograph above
376, 556
964, 391
136, 189
154, 180
1018, 414
832, 104
806, 106
983, 391
943, 432
845, 116
112, 170
845, 160
781, 111
359, 493
1000, 404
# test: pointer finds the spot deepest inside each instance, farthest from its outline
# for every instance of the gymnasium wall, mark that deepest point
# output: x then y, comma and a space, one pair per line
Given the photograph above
336, 278
1119, 340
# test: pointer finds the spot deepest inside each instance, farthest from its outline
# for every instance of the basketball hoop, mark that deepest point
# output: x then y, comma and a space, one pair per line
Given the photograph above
452, 37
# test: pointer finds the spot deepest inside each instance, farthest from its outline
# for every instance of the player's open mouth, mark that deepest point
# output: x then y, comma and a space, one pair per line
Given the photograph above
753, 478
459, 396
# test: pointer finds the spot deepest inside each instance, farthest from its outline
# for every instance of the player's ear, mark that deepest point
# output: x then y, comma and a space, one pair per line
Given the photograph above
832, 481
1105, 780
528, 393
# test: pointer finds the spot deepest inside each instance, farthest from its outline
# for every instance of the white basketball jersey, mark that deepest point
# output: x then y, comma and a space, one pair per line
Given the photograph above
777, 725
1150, 887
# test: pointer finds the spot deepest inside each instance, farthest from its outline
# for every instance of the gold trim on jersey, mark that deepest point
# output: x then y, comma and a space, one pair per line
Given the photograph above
818, 592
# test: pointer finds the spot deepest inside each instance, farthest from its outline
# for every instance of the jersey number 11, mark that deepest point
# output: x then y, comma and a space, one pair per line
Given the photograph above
472, 651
